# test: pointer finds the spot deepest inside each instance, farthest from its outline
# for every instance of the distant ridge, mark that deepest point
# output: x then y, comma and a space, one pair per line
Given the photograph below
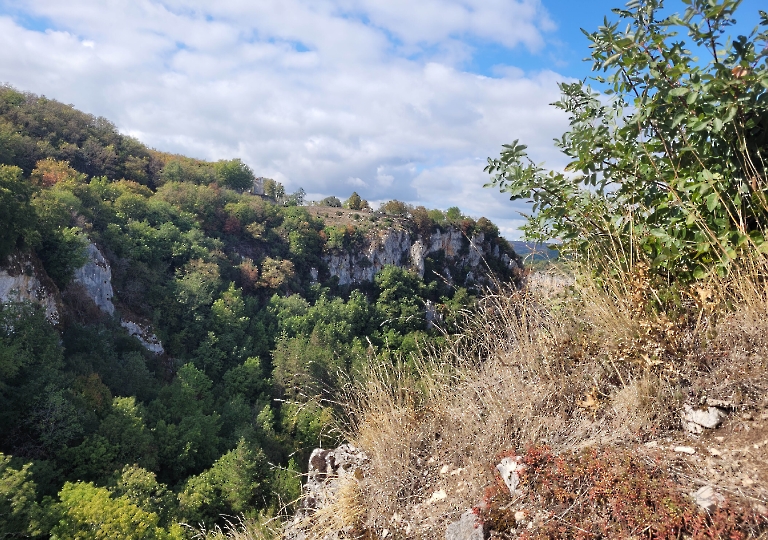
533, 251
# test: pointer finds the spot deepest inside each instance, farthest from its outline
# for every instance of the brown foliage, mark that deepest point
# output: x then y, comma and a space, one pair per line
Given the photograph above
49, 172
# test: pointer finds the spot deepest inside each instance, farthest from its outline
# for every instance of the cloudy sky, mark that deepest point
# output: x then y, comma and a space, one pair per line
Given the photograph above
391, 98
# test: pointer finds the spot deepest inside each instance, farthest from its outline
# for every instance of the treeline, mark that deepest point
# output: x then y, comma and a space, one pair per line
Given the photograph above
101, 438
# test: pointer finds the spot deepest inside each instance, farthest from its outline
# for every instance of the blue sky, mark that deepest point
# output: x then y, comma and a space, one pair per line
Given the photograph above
391, 98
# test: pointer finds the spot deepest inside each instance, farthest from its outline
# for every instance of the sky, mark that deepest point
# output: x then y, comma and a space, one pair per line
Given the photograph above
394, 99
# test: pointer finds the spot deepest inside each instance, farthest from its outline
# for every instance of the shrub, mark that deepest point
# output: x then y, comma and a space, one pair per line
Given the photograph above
670, 161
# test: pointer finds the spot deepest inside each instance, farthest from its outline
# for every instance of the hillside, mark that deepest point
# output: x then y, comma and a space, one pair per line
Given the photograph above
175, 334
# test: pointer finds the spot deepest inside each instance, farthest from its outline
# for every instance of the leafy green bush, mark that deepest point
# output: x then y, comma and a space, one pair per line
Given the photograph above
669, 160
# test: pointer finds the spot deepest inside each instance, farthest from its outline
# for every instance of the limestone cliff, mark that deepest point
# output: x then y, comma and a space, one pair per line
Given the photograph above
454, 256
95, 276
22, 279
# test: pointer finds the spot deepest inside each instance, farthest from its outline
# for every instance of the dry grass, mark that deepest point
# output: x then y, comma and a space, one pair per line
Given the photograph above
601, 365
241, 528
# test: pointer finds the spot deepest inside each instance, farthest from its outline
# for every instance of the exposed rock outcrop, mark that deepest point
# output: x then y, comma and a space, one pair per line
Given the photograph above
328, 470
95, 276
397, 246
22, 279
144, 334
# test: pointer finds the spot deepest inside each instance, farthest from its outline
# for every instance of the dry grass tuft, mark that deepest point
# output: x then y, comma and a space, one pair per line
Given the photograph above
241, 528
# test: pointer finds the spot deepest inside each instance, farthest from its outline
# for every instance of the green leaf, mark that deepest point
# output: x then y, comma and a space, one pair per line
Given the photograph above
712, 201
679, 91
698, 126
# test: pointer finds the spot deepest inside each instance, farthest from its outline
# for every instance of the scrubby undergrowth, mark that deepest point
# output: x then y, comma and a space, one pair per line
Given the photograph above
587, 384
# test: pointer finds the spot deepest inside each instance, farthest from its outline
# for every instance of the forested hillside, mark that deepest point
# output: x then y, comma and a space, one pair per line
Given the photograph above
231, 275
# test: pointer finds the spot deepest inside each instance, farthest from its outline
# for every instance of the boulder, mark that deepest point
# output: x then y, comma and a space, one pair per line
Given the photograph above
697, 420
468, 527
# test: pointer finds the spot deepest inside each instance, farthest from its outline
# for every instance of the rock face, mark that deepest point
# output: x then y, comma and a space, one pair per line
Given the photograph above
466, 528
22, 280
144, 334
398, 247
96, 278
328, 469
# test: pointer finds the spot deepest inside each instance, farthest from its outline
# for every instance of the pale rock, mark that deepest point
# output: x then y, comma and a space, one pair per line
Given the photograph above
437, 496
519, 516
20, 281
95, 276
684, 450
468, 527
508, 469
396, 246
697, 420
707, 498
144, 334
327, 468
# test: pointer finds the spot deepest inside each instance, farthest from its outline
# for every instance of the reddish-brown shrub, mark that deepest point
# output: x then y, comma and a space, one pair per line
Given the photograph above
606, 494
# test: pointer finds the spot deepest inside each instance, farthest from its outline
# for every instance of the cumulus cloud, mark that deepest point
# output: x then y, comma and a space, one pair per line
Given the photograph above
330, 95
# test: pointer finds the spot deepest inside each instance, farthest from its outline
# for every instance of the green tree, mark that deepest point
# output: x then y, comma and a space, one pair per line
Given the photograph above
17, 219
234, 174
141, 487
395, 208
19, 512
670, 162
92, 513
354, 202
233, 485
453, 214
399, 304
331, 201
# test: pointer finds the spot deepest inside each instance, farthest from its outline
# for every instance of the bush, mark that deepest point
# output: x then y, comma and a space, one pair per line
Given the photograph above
670, 162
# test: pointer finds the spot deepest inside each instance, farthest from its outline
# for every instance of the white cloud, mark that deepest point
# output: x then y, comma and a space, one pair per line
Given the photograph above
326, 95
356, 182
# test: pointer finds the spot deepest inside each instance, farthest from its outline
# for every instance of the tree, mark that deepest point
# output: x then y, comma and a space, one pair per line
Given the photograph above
422, 220
354, 202
453, 214
92, 513
296, 198
49, 172
331, 201
231, 486
17, 219
19, 513
395, 208
234, 174
670, 163
398, 302
274, 189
